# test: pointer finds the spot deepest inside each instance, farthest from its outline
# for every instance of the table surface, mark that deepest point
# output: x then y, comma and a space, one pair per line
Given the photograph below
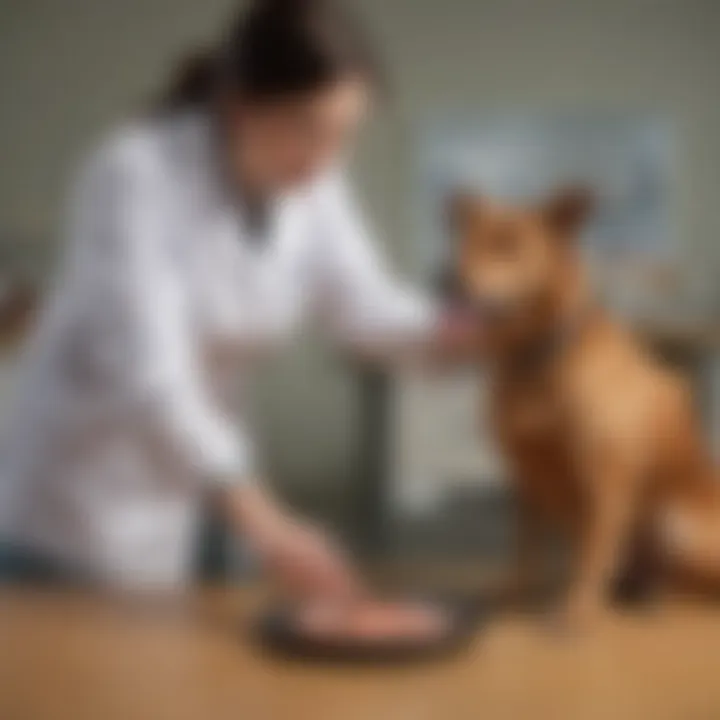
71, 656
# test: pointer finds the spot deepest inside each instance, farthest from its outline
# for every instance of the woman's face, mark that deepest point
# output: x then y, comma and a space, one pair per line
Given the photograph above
281, 145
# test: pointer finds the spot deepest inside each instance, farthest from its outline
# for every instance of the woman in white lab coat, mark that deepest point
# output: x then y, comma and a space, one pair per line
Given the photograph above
198, 239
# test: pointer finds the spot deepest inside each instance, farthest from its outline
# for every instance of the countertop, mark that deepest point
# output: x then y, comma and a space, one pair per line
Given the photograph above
77, 656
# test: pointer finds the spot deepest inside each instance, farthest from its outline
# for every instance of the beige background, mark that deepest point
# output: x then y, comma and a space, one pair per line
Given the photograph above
70, 68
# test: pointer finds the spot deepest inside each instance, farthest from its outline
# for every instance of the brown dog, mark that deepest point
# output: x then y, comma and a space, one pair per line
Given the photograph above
601, 440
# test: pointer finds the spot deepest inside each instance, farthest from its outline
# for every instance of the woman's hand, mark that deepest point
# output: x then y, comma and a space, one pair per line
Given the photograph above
458, 336
306, 562
300, 558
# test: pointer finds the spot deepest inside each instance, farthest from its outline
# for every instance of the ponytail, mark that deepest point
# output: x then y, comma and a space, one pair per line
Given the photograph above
276, 49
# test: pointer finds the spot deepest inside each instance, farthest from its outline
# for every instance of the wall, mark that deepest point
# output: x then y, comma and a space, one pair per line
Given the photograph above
68, 69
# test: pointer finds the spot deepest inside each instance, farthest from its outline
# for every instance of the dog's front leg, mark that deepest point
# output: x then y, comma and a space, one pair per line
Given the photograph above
602, 542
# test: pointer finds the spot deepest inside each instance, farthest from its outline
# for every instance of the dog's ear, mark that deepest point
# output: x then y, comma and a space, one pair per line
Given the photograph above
460, 206
567, 210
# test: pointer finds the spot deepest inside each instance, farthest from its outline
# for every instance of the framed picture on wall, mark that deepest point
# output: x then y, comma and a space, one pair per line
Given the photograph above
626, 161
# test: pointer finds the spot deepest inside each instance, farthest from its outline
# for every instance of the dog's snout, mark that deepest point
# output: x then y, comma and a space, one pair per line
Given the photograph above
453, 290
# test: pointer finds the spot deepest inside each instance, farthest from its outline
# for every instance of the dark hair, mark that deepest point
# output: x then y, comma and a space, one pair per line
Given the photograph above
277, 49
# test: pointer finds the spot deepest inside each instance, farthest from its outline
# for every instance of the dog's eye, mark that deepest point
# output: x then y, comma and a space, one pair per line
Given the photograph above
504, 243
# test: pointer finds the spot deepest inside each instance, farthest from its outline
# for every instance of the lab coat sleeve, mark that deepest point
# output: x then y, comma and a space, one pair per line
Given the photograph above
123, 261
363, 304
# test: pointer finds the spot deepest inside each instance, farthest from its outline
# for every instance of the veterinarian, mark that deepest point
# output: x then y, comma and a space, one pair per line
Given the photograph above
199, 237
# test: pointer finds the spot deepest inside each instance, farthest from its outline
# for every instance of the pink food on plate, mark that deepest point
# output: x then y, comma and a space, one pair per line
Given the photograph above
373, 621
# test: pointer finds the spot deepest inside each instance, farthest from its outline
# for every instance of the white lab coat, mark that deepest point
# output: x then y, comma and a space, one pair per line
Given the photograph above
129, 401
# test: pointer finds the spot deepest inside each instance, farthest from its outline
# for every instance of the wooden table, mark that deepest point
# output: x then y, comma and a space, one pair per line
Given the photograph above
69, 656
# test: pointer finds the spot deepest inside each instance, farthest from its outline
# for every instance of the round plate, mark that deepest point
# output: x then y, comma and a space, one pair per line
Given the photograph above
277, 631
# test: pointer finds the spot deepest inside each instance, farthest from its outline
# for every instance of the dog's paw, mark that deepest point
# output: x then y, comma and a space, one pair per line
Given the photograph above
578, 616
